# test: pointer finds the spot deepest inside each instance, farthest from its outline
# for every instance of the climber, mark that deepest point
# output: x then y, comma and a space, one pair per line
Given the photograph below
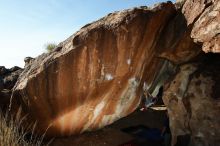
165, 133
148, 100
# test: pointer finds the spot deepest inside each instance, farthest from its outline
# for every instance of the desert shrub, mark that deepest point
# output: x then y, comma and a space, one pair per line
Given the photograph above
50, 46
12, 134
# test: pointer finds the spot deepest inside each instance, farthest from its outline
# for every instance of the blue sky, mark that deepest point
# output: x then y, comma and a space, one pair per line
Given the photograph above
27, 25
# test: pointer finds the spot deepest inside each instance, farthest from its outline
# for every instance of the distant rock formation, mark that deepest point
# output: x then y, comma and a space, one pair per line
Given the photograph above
96, 76
8, 78
28, 60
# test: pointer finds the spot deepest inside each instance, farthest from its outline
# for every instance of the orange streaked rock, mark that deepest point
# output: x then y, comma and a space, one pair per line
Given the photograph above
95, 77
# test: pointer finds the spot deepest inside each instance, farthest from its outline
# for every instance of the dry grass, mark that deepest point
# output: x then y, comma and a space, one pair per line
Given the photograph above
11, 133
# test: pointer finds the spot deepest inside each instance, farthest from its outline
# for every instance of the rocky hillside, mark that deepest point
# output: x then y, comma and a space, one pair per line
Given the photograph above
96, 76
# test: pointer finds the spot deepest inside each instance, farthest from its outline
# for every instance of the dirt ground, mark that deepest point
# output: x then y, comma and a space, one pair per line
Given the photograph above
113, 135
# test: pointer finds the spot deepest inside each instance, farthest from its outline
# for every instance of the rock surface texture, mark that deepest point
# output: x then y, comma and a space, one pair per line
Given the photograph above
204, 15
192, 99
96, 76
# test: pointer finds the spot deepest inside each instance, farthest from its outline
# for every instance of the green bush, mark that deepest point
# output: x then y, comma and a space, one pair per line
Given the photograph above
50, 46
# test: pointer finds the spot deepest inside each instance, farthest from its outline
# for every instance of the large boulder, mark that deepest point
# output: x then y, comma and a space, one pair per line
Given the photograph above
192, 99
95, 77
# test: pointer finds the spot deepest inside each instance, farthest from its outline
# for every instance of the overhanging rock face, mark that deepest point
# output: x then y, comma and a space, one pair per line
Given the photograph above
95, 77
